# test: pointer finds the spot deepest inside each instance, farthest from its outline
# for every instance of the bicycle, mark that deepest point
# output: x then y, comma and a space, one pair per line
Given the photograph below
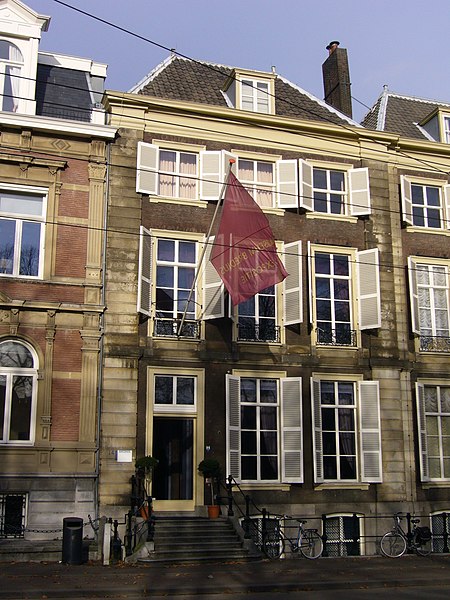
396, 542
307, 541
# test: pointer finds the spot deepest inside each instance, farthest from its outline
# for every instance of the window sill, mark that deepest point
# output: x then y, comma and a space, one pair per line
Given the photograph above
328, 217
181, 201
279, 487
432, 230
341, 486
426, 485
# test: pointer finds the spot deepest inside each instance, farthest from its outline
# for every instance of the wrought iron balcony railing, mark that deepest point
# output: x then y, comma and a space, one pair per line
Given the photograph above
258, 333
169, 328
334, 337
436, 343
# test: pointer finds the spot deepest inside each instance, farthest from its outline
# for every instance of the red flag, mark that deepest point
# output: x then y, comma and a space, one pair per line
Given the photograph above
244, 252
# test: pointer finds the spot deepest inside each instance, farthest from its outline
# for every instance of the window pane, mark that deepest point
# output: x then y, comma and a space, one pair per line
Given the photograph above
341, 289
166, 250
342, 311
163, 390
322, 263
165, 276
329, 443
268, 416
7, 238
21, 204
329, 467
248, 390
341, 265
328, 419
248, 442
269, 442
248, 417
417, 194
20, 423
348, 467
269, 467
433, 197
16, 355
247, 308
320, 179
327, 392
346, 419
249, 467
187, 252
323, 289
185, 277
29, 253
164, 300
185, 390
323, 310
337, 180
268, 390
2, 403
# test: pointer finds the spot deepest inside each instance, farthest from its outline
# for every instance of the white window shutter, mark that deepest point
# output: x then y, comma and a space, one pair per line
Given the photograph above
210, 175
413, 295
147, 168
447, 204
291, 430
287, 183
144, 302
227, 160
306, 186
370, 431
406, 191
214, 167
317, 431
359, 192
233, 391
311, 291
213, 288
421, 422
292, 285
369, 295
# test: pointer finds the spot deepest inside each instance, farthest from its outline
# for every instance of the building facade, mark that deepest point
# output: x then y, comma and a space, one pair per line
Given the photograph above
53, 164
324, 396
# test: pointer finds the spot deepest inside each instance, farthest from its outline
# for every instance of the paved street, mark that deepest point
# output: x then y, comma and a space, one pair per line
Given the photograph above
327, 578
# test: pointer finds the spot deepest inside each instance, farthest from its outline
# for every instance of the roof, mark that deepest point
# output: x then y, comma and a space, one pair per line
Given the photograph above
179, 78
63, 93
400, 114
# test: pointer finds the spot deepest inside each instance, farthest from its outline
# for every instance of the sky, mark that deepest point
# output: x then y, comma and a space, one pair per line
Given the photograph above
398, 43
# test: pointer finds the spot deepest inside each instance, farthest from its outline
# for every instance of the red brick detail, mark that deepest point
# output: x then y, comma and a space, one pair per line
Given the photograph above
71, 251
65, 410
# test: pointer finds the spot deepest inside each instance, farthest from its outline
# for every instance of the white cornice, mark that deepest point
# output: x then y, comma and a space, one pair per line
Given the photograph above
57, 125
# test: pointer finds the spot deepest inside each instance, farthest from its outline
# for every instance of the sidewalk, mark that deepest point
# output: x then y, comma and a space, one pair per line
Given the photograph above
54, 580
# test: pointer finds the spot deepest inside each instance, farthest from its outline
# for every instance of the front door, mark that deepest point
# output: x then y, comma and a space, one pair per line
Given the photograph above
175, 437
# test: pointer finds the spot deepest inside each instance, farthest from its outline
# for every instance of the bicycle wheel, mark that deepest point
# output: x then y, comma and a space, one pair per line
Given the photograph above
393, 544
423, 548
273, 545
311, 544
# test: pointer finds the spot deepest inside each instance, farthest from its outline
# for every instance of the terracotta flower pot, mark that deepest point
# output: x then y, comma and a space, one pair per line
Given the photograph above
213, 511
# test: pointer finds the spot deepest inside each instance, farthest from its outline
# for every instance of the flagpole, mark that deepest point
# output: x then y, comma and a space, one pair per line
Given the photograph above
205, 246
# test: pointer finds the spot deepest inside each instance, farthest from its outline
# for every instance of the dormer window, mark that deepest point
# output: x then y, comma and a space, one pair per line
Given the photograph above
11, 61
255, 96
253, 91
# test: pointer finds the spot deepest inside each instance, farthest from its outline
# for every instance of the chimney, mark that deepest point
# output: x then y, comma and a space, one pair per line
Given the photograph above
336, 79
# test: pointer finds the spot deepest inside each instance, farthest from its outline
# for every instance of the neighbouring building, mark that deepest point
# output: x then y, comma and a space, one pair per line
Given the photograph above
328, 395
53, 165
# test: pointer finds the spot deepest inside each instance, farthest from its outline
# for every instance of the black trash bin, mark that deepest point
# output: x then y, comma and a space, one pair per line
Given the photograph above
72, 550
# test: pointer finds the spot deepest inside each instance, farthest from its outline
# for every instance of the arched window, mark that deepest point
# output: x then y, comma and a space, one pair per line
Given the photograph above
18, 382
11, 61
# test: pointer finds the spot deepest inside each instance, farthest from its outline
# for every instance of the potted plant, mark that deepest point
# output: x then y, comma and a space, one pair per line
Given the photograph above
210, 469
144, 470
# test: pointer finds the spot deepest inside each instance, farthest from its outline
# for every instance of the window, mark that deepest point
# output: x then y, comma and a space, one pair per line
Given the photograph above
347, 440
174, 392
11, 62
12, 515
18, 380
429, 293
447, 130
425, 205
178, 174
257, 317
259, 180
440, 528
342, 535
433, 407
255, 96
336, 279
264, 437
166, 291
337, 192
21, 232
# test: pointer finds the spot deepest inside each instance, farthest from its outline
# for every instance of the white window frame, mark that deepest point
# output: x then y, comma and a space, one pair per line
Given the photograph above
356, 200
253, 186
174, 407
10, 373
423, 436
367, 430
446, 120
406, 188
290, 427
250, 94
20, 219
413, 264
364, 288
16, 79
